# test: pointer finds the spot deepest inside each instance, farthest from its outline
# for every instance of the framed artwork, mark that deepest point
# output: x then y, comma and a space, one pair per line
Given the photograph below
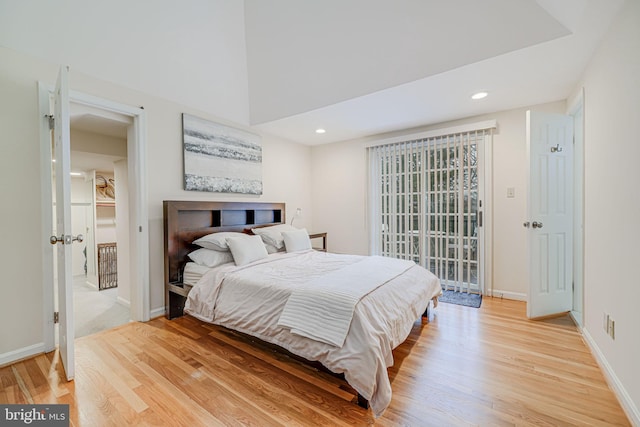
220, 158
105, 189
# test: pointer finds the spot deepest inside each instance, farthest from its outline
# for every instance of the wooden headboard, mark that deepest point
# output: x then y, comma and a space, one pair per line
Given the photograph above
185, 221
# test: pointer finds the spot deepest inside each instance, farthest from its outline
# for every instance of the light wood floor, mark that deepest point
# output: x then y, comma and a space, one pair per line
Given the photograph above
487, 366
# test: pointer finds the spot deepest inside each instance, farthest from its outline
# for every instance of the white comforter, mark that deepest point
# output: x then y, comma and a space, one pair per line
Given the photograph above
251, 298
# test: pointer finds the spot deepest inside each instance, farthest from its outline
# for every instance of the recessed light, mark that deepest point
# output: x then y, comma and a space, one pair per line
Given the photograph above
320, 130
479, 95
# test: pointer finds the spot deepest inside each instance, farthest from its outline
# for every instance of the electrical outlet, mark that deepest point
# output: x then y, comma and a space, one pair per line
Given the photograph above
612, 329
610, 326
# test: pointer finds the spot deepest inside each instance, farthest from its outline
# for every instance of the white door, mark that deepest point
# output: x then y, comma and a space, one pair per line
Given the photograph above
62, 152
550, 213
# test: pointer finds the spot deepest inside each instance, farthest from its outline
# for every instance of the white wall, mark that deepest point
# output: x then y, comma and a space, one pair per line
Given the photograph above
191, 44
96, 144
340, 193
612, 203
339, 187
286, 178
21, 285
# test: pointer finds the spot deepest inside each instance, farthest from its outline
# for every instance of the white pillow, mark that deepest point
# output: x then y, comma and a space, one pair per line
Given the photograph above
272, 249
210, 258
297, 240
273, 235
217, 241
247, 249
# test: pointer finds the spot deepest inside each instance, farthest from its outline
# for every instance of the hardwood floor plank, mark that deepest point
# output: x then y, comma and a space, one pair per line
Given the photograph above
241, 373
486, 366
329, 382
56, 386
117, 381
23, 382
178, 403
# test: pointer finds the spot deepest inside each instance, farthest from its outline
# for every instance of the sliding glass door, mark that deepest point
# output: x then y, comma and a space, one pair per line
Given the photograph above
426, 205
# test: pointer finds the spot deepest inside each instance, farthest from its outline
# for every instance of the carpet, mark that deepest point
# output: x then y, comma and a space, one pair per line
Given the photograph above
94, 310
461, 298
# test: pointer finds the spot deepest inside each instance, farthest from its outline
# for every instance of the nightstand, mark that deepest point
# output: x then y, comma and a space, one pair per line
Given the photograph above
318, 236
176, 295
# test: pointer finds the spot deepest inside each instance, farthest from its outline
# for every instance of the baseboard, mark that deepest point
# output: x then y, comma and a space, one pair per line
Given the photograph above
123, 302
577, 321
497, 293
157, 312
612, 379
21, 353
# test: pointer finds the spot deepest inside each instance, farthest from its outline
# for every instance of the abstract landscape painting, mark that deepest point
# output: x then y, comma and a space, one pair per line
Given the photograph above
219, 158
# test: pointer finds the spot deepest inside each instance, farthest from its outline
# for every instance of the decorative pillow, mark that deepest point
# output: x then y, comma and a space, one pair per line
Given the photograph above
210, 258
272, 249
272, 235
217, 241
297, 240
247, 249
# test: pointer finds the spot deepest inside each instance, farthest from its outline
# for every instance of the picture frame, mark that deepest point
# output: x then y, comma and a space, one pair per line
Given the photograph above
219, 158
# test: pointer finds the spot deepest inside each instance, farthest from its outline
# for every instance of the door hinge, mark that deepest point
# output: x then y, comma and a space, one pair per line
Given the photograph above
52, 121
56, 317
573, 286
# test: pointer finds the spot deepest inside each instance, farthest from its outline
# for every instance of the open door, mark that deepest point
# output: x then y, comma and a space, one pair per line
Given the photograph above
550, 213
63, 241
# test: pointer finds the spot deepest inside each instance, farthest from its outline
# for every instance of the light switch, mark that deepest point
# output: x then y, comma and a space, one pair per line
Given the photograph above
511, 192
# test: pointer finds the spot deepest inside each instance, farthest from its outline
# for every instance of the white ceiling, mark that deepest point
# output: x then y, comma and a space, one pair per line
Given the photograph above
364, 67
354, 67
101, 122
85, 162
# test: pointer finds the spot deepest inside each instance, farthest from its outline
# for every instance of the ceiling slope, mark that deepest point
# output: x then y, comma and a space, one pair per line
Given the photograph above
305, 55
522, 52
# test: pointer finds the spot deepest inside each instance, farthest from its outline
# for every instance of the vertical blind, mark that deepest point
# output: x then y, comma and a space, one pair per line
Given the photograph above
424, 203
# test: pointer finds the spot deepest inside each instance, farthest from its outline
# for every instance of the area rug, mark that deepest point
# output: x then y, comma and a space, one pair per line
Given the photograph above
461, 298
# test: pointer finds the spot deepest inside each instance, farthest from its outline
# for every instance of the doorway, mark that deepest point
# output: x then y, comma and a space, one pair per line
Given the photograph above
428, 203
99, 188
136, 209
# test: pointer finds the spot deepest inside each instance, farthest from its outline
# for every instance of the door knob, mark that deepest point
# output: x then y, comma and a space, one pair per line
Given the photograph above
526, 224
66, 239
536, 224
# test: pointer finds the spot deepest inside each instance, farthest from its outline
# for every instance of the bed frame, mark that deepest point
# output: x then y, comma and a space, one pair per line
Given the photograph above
185, 221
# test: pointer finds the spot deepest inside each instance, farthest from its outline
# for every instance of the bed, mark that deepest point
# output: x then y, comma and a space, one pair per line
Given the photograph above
365, 306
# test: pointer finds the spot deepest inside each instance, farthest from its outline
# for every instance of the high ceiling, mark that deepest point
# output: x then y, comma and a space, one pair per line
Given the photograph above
354, 67
365, 67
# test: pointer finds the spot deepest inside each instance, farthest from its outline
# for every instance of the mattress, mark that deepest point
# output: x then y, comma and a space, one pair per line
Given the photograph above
251, 299
193, 273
